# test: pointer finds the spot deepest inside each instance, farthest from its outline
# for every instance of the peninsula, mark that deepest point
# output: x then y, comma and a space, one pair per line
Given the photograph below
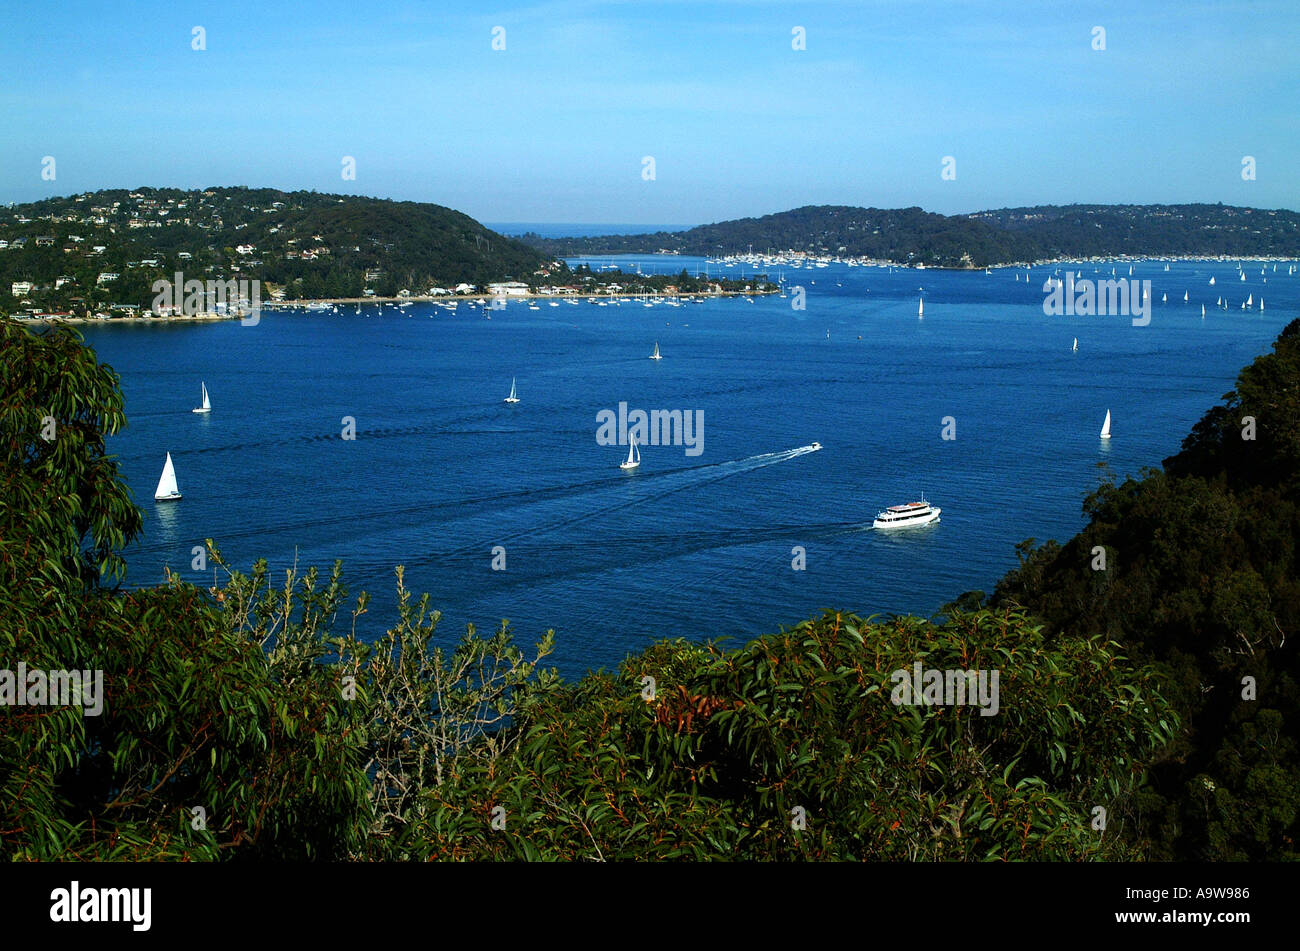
913, 237
102, 254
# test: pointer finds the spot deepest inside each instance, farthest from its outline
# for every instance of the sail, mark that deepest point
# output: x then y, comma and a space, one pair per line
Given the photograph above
1105, 427
1076, 344
920, 308
167, 487
1211, 282
206, 404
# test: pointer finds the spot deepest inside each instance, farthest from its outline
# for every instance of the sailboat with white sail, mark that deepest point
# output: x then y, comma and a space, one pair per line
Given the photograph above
633, 454
656, 355
1075, 348
1105, 427
920, 309
513, 397
168, 490
206, 405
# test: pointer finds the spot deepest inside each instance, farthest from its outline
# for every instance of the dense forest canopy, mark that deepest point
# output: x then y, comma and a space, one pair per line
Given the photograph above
1202, 578
317, 245
1005, 236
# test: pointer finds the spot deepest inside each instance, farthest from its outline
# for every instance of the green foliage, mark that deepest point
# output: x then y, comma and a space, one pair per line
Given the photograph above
194, 716
416, 245
733, 741
1203, 579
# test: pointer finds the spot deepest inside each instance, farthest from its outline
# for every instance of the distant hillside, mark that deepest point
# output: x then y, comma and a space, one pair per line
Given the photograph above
322, 245
1005, 236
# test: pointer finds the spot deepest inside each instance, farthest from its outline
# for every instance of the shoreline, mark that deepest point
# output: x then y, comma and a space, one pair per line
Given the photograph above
479, 298
482, 298
338, 301
1017, 265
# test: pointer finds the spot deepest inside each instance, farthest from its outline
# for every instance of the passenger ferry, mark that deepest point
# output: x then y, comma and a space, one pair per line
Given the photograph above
906, 516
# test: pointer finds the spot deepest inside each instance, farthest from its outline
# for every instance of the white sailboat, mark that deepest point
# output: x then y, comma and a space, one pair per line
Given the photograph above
1164, 298
1202, 312
1184, 297
1075, 348
656, 355
167, 490
1105, 427
206, 405
1261, 305
1211, 282
1250, 301
513, 397
633, 454
920, 308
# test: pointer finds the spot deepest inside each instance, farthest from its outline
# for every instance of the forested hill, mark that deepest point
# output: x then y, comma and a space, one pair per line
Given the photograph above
1202, 578
323, 245
1005, 236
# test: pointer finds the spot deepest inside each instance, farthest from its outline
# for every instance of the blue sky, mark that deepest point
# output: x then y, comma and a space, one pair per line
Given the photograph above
554, 128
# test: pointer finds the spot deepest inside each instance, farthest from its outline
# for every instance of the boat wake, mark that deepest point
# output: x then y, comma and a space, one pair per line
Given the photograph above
480, 517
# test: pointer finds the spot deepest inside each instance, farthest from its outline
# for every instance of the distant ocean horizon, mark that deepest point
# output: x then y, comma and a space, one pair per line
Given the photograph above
553, 229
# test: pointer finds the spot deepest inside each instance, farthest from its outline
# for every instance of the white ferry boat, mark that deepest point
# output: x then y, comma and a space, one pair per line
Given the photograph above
906, 516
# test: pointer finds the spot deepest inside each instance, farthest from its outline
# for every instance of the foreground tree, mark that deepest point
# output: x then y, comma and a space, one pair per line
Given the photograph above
202, 747
794, 747
1202, 578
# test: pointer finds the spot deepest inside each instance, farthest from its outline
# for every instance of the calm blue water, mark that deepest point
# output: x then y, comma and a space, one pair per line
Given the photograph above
442, 470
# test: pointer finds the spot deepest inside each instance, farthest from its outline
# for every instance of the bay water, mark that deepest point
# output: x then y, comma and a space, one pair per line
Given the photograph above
445, 478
